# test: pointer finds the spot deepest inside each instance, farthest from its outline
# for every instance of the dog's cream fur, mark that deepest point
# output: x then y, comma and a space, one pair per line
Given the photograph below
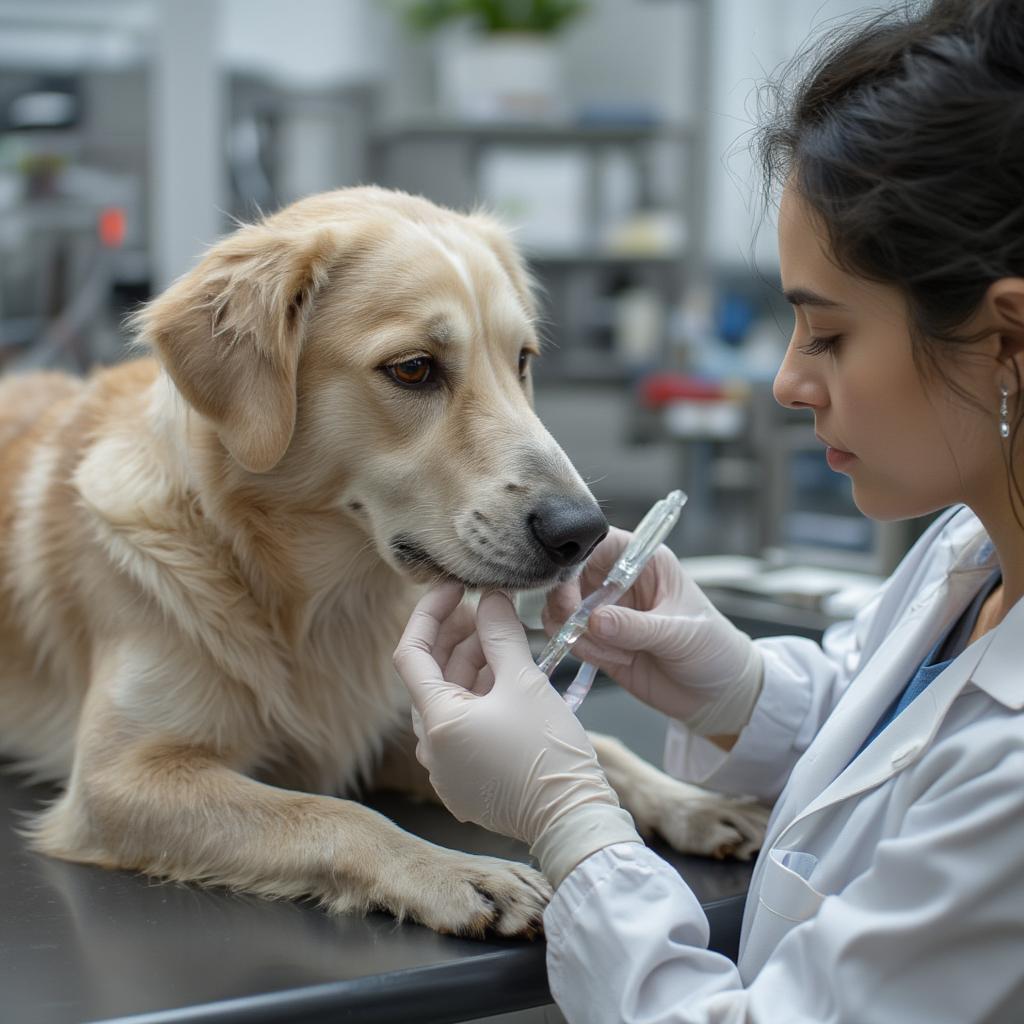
206, 559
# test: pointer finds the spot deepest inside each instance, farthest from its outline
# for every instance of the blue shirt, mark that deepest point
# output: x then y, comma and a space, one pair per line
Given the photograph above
939, 659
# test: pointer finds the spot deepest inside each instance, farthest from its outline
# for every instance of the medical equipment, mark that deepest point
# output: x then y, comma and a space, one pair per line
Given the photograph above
652, 530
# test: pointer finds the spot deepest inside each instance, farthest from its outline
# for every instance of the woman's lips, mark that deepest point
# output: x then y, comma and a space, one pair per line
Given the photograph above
837, 459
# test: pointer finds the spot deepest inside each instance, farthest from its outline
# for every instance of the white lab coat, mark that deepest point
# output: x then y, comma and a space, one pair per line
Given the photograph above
889, 889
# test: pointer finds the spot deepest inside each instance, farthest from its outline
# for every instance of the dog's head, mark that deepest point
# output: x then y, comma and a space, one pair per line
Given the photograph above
370, 352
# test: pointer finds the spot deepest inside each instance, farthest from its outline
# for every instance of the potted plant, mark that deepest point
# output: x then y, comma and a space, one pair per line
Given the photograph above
501, 60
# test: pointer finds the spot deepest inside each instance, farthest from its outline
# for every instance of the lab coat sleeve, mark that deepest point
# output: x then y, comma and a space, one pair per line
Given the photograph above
803, 681
931, 932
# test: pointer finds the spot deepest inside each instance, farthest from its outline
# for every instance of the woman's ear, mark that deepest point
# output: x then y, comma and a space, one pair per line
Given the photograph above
230, 333
1005, 299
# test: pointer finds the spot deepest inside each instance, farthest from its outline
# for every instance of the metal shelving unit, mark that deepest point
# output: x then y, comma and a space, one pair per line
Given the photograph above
577, 282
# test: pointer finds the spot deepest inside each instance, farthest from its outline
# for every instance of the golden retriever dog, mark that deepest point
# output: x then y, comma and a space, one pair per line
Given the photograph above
207, 557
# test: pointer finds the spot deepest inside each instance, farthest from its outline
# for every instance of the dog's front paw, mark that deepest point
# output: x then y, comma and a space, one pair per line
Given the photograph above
463, 894
471, 895
693, 820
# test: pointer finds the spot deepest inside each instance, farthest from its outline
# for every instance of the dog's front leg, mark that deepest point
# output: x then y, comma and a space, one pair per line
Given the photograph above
178, 812
691, 819
158, 786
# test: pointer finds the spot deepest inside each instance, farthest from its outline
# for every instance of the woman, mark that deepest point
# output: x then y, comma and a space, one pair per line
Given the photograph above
891, 883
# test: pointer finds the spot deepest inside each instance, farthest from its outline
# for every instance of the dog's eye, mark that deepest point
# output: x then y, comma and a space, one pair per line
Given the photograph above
524, 363
411, 373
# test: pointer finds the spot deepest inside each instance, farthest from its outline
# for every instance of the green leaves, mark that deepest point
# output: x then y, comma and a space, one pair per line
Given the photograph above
542, 16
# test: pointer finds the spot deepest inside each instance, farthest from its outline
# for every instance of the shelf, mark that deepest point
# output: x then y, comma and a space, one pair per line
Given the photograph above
599, 258
561, 366
532, 133
772, 616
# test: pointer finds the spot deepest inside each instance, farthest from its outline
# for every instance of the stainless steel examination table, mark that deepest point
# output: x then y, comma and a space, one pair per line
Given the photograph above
83, 944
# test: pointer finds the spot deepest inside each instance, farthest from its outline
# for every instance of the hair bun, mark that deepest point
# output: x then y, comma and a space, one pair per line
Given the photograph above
998, 26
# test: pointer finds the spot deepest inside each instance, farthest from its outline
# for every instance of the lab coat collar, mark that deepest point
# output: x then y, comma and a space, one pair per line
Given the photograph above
827, 771
904, 739
998, 673
963, 542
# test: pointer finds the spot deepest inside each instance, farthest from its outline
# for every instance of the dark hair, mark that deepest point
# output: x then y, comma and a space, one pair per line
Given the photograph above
905, 135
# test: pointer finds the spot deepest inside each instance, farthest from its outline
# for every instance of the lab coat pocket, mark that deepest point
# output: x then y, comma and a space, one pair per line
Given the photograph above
785, 899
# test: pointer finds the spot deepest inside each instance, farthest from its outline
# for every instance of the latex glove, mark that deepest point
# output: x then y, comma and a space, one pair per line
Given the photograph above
664, 641
502, 748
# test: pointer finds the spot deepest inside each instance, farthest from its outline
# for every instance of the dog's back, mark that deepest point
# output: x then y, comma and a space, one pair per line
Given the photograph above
47, 421
26, 403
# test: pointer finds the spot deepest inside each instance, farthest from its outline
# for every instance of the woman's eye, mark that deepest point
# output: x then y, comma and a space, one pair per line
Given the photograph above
411, 373
817, 345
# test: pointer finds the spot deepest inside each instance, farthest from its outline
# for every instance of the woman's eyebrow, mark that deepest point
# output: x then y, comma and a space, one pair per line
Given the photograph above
805, 297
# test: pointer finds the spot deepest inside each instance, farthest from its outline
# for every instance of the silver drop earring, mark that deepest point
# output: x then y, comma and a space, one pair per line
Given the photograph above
1004, 416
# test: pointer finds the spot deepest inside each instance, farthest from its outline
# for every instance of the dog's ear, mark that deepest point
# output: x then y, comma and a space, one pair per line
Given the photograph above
230, 333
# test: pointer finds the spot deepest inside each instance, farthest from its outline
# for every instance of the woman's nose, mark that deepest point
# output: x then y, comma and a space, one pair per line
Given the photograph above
797, 384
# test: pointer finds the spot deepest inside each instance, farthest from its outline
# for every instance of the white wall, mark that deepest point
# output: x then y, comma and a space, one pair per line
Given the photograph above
186, 133
305, 43
631, 52
750, 39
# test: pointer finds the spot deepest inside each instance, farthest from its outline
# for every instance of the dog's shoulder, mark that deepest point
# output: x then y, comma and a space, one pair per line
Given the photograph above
135, 484
133, 470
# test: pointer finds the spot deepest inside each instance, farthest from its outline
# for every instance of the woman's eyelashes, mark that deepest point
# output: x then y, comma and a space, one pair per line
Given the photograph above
821, 343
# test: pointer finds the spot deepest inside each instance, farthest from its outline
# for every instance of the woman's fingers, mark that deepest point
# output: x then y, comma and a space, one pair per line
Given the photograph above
609, 658
603, 557
559, 604
484, 681
414, 656
456, 628
466, 661
502, 636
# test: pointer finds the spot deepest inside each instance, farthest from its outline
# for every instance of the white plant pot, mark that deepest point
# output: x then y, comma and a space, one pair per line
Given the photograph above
505, 77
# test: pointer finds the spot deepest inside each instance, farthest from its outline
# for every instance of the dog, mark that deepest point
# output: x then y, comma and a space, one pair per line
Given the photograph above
207, 555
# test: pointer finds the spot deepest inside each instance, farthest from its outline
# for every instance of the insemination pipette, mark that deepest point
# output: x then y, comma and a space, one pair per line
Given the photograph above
652, 530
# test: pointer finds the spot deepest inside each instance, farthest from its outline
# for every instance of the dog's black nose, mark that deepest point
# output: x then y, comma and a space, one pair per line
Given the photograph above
567, 530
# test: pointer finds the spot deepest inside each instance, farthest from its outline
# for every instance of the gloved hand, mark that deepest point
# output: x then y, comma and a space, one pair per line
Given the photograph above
501, 746
664, 642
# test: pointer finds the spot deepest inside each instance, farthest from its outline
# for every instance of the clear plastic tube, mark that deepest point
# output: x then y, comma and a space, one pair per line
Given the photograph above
580, 686
651, 531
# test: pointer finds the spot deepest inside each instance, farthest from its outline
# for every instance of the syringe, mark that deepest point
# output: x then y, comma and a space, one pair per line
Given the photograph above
652, 530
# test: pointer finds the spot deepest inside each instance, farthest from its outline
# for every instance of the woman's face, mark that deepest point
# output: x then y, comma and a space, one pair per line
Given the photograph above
907, 442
